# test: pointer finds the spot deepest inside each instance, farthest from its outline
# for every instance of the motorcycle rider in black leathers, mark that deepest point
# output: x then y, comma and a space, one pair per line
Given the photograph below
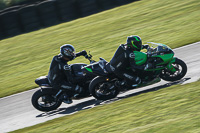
60, 76
124, 57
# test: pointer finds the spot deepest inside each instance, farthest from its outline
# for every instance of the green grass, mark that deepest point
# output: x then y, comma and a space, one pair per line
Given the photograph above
28, 56
173, 109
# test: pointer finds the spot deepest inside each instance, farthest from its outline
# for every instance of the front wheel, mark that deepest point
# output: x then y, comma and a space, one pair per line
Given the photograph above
181, 70
102, 89
44, 100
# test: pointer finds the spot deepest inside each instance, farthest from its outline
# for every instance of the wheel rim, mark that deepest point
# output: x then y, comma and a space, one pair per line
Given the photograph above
102, 89
47, 101
178, 71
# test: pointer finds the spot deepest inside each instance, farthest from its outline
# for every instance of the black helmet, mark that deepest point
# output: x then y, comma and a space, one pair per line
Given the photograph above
67, 51
134, 43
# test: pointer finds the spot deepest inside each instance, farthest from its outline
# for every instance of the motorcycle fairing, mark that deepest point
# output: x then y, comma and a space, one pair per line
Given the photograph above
97, 68
76, 69
170, 67
42, 81
140, 57
166, 58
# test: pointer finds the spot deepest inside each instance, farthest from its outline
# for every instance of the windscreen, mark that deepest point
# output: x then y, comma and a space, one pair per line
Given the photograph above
159, 47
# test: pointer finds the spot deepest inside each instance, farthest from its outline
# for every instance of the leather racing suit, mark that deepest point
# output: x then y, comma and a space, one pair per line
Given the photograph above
59, 75
125, 58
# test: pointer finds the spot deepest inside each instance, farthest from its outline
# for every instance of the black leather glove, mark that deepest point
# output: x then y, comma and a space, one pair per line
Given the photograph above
86, 56
84, 53
146, 46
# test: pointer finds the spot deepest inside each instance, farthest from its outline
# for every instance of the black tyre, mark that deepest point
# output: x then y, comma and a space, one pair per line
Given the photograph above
43, 100
181, 70
102, 89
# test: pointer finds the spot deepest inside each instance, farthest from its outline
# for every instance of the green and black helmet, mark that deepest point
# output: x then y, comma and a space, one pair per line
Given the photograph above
134, 43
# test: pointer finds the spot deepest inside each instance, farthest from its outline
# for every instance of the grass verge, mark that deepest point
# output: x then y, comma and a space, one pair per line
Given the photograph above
173, 109
28, 56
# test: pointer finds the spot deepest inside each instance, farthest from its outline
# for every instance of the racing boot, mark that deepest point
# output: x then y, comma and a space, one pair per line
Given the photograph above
137, 82
78, 90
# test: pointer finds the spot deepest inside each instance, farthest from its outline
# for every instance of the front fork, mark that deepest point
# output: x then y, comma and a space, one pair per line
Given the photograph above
170, 67
59, 92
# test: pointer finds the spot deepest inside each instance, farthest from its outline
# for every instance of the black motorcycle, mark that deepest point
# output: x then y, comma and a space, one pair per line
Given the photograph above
48, 98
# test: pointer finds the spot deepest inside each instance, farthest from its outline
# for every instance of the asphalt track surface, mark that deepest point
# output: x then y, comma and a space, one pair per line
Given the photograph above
16, 111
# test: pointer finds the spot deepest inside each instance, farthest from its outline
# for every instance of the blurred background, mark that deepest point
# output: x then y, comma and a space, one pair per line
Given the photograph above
21, 16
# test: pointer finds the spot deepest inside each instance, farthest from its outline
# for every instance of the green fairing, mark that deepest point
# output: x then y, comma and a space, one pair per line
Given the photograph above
156, 69
140, 57
173, 60
89, 69
170, 66
166, 58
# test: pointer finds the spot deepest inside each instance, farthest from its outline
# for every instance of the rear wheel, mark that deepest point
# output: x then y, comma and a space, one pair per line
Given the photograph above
44, 100
181, 70
102, 89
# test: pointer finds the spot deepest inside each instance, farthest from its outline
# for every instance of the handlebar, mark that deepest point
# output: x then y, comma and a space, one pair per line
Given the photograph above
151, 50
89, 57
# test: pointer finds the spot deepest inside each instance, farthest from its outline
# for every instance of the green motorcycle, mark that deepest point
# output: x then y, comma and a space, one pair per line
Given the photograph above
163, 66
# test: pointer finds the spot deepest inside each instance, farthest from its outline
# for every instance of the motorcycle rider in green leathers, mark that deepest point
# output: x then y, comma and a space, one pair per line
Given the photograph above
124, 57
